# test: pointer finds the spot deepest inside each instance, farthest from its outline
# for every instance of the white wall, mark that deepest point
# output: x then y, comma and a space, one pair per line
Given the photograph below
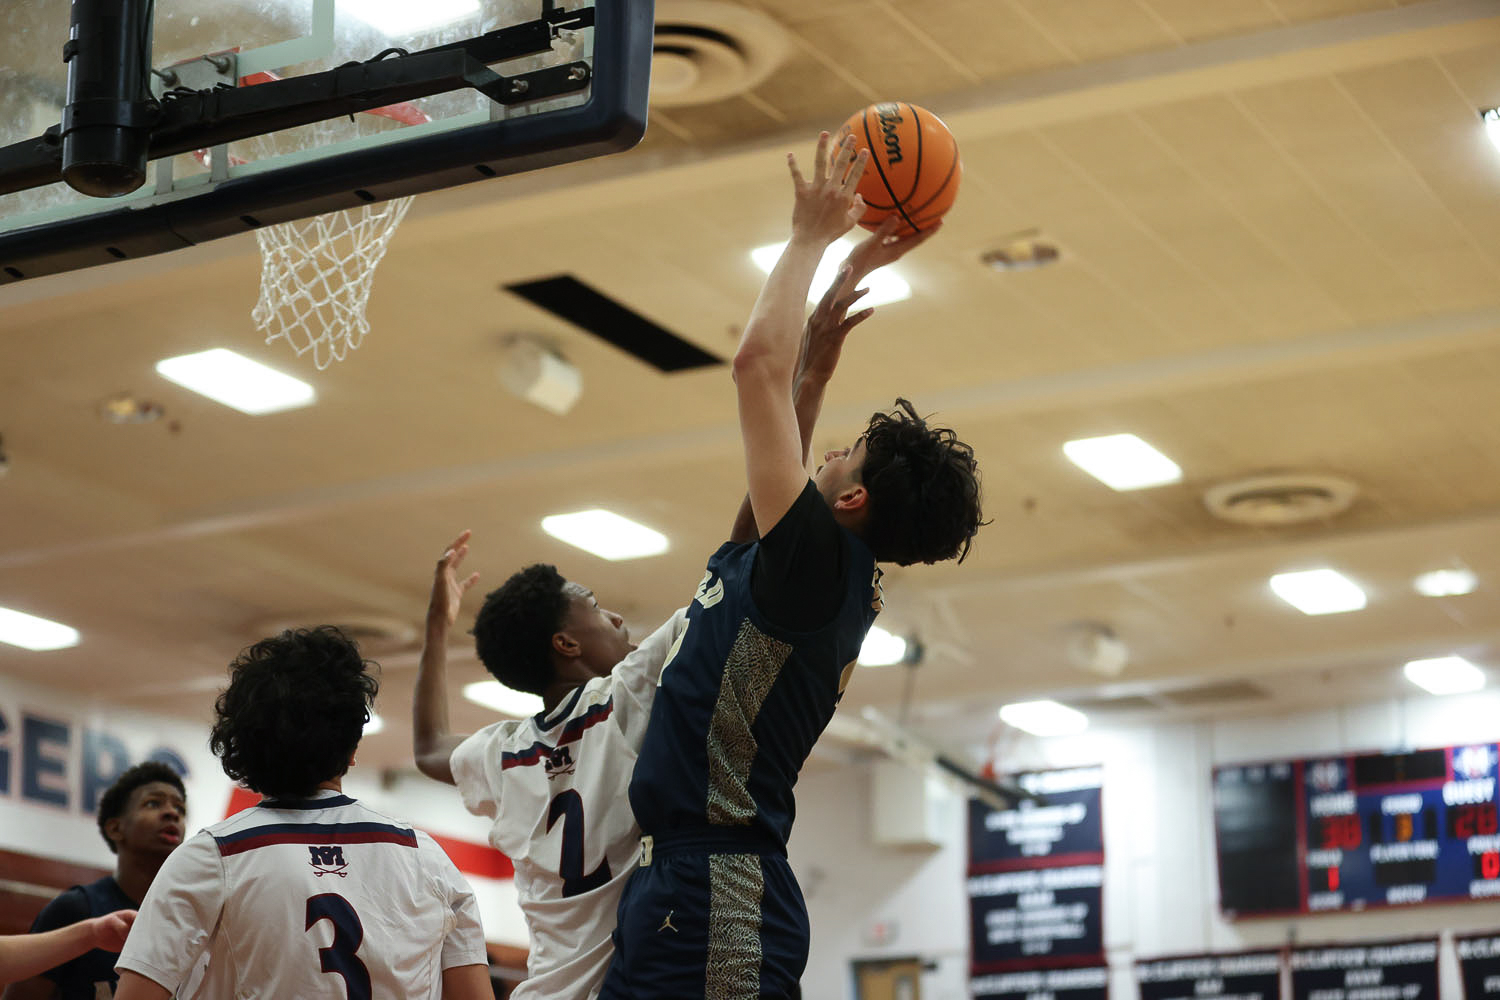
1161, 888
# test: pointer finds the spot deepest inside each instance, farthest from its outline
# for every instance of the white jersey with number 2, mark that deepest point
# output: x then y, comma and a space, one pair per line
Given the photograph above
314, 898
555, 787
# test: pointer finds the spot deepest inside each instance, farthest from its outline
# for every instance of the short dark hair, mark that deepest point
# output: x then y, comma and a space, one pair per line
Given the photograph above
513, 630
294, 711
924, 489
117, 796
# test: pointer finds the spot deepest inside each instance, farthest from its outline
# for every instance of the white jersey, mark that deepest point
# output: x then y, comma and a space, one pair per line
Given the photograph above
555, 786
316, 898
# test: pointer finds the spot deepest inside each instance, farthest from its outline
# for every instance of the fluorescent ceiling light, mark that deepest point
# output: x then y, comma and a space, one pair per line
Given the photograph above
1044, 718
506, 701
1444, 675
1318, 591
404, 17
606, 535
881, 649
884, 284
1446, 583
234, 380
375, 725
1122, 461
30, 632
1492, 125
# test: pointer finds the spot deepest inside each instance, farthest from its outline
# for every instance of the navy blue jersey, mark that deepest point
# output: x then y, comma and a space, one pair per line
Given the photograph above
76, 979
742, 701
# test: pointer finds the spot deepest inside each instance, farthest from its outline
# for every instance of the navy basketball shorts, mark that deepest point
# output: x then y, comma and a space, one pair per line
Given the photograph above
701, 922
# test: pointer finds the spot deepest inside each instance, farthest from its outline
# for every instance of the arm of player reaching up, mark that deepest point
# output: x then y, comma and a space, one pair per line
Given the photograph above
824, 209
24, 955
432, 742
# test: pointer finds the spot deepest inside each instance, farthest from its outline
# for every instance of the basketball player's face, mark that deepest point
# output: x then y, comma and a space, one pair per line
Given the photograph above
152, 821
840, 471
603, 639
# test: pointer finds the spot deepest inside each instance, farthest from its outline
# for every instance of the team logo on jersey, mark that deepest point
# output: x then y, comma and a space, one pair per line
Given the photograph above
329, 861
559, 761
877, 592
709, 594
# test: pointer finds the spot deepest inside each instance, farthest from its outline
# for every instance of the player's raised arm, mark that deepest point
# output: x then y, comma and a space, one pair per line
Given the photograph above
825, 207
432, 742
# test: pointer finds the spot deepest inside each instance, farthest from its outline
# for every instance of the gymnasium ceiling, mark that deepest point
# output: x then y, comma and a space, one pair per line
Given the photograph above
1277, 222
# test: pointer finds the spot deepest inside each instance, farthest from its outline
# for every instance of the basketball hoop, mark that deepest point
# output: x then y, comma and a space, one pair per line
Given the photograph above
316, 274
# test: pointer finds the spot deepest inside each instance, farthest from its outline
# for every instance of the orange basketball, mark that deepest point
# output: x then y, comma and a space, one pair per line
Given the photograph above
914, 167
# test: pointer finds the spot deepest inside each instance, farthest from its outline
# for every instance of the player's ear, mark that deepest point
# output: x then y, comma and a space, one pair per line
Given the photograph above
112, 830
566, 645
854, 499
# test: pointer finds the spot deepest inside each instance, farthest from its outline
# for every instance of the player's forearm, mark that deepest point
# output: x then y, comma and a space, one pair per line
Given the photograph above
25, 955
433, 742
773, 336
807, 398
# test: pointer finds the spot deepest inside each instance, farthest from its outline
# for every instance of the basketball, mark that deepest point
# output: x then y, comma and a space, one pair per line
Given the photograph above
914, 167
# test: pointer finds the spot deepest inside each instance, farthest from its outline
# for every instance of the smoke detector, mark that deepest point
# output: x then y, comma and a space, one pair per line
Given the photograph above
709, 50
1283, 499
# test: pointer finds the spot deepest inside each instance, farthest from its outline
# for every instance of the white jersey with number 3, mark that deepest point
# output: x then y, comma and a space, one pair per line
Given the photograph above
555, 787
316, 898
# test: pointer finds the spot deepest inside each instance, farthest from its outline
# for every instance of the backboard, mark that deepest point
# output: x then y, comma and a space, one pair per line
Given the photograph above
565, 80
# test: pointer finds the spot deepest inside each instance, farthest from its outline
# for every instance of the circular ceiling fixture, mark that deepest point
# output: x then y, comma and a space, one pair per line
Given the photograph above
1281, 499
709, 50
376, 635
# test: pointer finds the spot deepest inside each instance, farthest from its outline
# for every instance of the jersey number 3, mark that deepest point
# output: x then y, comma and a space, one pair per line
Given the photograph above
348, 932
569, 805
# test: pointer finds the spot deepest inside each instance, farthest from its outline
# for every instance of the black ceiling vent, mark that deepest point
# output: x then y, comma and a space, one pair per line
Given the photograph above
565, 297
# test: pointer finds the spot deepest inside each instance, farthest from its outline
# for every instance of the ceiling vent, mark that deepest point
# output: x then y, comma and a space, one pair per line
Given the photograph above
1219, 693
709, 50
1277, 500
376, 635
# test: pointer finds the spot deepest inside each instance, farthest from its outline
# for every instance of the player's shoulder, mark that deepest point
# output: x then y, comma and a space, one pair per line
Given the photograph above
504, 735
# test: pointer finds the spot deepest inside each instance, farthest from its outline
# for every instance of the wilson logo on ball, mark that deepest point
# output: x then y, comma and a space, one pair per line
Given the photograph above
889, 116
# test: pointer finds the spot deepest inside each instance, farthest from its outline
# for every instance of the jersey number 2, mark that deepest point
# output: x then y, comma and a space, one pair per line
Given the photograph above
348, 932
569, 805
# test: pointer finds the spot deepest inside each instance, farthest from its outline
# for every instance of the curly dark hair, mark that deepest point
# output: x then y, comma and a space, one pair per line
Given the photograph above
117, 796
294, 711
513, 630
924, 489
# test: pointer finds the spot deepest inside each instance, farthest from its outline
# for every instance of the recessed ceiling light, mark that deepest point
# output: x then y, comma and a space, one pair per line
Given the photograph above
1446, 583
884, 284
881, 648
1122, 461
236, 381
1044, 718
38, 634
1318, 591
506, 701
606, 535
375, 725
1491, 117
403, 17
1444, 675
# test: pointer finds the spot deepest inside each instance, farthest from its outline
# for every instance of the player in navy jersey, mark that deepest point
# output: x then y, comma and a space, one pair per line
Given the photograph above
773, 634
554, 784
309, 894
140, 817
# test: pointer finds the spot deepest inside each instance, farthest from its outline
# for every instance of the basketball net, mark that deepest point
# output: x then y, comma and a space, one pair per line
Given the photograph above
316, 275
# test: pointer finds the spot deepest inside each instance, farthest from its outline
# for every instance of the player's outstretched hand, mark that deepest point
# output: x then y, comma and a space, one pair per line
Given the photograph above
829, 324
447, 589
110, 930
826, 204
884, 247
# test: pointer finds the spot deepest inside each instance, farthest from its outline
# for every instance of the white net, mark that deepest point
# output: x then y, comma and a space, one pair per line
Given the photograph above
316, 274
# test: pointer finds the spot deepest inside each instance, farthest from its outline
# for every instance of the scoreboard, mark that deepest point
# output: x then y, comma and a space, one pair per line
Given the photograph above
1349, 832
